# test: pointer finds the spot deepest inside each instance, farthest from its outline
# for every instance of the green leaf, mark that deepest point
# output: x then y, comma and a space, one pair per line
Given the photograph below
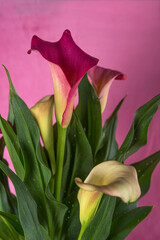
2, 145
14, 221
108, 146
145, 169
89, 112
4, 205
137, 135
29, 136
27, 208
71, 226
99, 228
12, 89
81, 160
3, 236
125, 223
49, 210
8, 200
13, 147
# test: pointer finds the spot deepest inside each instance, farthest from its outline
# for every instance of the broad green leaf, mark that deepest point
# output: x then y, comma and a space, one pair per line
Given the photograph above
71, 226
145, 169
108, 145
122, 208
13, 147
81, 161
89, 112
14, 221
125, 223
35, 169
27, 208
137, 135
29, 136
99, 228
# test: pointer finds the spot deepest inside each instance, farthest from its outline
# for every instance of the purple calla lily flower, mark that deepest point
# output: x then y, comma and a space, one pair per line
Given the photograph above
68, 65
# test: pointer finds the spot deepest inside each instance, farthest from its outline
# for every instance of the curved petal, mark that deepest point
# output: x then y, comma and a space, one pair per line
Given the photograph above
43, 114
89, 202
69, 107
113, 178
101, 79
73, 61
61, 90
68, 65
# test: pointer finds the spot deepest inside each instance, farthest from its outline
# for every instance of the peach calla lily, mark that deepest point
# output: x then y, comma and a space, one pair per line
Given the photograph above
68, 64
43, 114
101, 79
112, 178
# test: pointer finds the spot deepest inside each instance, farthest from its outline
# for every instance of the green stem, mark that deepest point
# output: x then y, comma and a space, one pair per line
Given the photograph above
52, 159
83, 227
59, 161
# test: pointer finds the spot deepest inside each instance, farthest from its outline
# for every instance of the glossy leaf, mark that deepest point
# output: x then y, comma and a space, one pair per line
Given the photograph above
28, 136
71, 226
125, 223
99, 228
81, 159
35, 169
89, 112
108, 145
13, 147
122, 208
145, 169
137, 135
27, 208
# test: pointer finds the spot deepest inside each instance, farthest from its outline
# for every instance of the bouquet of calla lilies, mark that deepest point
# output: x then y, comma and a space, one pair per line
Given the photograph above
70, 178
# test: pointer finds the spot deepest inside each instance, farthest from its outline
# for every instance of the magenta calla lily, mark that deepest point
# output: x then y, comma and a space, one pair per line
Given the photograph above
101, 79
68, 65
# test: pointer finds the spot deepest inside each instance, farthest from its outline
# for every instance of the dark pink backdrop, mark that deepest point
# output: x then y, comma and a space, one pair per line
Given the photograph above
124, 35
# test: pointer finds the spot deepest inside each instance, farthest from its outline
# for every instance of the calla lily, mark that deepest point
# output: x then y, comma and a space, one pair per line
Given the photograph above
101, 79
112, 178
43, 114
68, 64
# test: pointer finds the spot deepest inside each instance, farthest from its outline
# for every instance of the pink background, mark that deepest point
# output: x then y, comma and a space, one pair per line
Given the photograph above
124, 35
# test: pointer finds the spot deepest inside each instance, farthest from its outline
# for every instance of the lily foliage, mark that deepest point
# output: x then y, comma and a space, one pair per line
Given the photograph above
76, 184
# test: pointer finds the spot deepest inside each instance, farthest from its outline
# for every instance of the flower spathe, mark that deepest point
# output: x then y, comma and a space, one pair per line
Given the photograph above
68, 64
112, 178
43, 114
101, 79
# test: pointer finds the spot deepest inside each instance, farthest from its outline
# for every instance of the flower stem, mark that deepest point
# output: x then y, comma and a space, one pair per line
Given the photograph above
59, 162
83, 227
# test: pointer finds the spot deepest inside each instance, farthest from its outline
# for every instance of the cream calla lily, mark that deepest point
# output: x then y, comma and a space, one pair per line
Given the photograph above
112, 178
43, 113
